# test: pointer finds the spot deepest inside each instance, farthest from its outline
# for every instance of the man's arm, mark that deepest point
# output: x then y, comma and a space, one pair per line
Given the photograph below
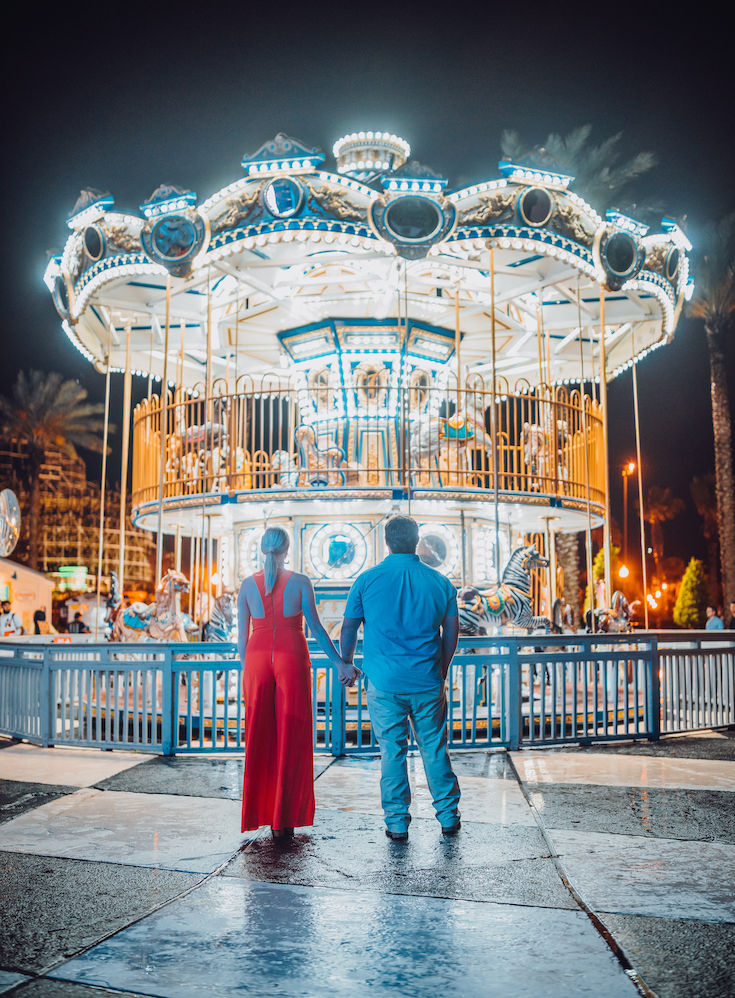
450, 637
348, 637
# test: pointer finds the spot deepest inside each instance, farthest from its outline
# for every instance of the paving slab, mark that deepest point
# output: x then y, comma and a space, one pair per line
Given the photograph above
159, 830
9, 979
350, 851
44, 987
706, 815
182, 776
17, 797
624, 770
666, 878
498, 801
679, 958
73, 767
465, 762
302, 941
702, 745
52, 908
189, 776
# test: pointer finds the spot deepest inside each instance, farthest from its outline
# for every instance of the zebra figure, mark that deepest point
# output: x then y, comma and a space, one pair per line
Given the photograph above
509, 602
219, 628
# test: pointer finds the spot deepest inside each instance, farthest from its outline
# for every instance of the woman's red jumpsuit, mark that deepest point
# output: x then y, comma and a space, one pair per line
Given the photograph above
278, 789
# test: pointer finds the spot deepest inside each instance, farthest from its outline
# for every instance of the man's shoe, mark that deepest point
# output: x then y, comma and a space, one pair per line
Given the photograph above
452, 829
396, 836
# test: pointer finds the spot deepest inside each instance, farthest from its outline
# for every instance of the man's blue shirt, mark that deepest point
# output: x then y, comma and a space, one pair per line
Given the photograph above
403, 603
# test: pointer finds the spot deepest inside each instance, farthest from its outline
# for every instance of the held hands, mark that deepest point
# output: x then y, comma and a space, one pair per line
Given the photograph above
348, 673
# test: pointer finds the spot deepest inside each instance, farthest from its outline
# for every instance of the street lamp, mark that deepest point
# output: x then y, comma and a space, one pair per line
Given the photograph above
628, 470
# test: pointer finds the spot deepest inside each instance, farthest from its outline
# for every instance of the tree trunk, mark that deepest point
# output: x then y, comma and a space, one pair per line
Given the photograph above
712, 575
35, 509
722, 426
567, 557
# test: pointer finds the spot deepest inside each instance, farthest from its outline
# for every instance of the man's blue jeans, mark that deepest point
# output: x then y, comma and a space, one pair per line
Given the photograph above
390, 714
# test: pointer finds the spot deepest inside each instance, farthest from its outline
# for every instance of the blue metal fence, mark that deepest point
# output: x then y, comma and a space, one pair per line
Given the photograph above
501, 691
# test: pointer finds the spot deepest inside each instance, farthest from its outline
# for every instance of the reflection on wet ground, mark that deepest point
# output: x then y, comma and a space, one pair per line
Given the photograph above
128, 873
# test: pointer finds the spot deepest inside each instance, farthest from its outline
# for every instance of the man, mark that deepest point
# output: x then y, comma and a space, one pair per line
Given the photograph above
10, 625
411, 627
78, 626
731, 622
714, 622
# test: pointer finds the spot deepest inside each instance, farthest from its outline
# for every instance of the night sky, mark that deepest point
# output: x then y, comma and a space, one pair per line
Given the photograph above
125, 98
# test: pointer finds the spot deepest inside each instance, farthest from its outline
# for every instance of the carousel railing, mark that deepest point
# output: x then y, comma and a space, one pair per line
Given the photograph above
371, 433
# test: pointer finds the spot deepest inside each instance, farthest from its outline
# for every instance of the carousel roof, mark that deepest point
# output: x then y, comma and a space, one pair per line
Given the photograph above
377, 254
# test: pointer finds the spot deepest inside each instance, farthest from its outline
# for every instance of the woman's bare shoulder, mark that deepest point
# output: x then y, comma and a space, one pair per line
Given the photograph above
300, 579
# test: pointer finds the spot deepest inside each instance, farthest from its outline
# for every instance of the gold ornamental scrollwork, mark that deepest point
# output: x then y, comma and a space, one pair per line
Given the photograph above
119, 237
568, 220
491, 208
334, 203
239, 209
656, 258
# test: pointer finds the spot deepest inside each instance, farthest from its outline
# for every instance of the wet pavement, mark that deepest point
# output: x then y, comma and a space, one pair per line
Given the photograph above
126, 873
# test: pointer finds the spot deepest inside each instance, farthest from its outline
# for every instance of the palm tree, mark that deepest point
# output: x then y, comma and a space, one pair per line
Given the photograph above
704, 494
42, 410
597, 170
660, 506
714, 302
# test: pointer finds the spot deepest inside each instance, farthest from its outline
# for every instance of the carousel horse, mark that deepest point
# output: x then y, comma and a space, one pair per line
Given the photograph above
562, 615
112, 603
615, 619
508, 602
450, 440
219, 626
318, 466
157, 621
286, 468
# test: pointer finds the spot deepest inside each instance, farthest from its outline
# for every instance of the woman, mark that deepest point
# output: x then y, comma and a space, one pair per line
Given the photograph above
278, 789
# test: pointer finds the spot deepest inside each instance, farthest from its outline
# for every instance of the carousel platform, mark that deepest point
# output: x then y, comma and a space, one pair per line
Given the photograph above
582, 871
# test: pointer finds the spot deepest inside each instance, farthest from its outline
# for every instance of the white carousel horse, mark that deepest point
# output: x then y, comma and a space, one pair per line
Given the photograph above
157, 621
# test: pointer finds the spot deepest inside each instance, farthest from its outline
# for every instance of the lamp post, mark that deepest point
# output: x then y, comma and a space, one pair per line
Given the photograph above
628, 470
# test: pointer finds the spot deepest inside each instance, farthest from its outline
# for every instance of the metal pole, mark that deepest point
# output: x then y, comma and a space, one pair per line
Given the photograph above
177, 549
150, 365
640, 485
209, 567
163, 427
583, 407
494, 418
606, 457
103, 479
125, 451
625, 516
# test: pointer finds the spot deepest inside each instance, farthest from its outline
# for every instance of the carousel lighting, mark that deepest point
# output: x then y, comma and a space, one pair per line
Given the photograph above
623, 572
627, 223
77, 343
675, 234
53, 270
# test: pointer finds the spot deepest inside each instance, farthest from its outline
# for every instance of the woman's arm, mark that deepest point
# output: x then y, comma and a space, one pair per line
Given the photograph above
243, 623
347, 673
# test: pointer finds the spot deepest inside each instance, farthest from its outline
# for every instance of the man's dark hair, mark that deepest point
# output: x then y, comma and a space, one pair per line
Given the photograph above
402, 534
77, 616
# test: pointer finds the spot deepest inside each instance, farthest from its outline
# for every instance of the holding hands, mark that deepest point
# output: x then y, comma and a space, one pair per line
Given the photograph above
348, 673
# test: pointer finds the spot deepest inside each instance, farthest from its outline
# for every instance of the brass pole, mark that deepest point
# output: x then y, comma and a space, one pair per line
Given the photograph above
150, 365
163, 428
539, 339
640, 485
494, 418
177, 549
457, 343
208, 385
209, 568
125, 451
583, 407
606, 457
103, 478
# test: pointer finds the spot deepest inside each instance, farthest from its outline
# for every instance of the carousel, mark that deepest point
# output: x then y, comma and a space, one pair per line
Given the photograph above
326, 345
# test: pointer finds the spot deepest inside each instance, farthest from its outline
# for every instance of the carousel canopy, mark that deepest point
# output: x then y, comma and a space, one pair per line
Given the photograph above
293, 263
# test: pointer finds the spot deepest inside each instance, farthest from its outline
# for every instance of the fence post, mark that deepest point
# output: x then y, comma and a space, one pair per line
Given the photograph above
654, 700
514, 696
337, 720
167, 704
47, 699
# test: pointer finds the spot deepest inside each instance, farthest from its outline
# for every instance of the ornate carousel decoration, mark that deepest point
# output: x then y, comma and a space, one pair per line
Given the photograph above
337, 343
